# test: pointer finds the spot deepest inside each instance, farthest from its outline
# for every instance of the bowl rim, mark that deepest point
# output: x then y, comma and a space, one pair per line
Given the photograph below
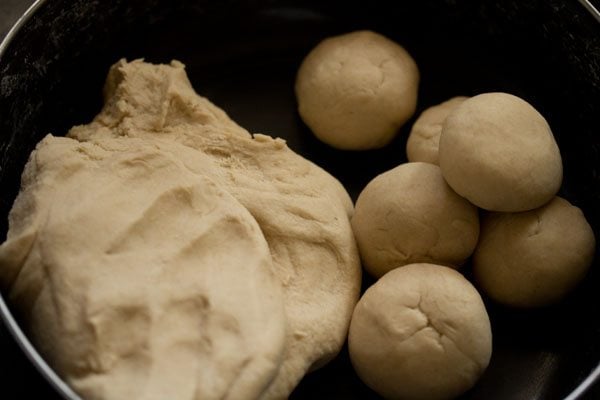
57, 383
591, 8
38, 361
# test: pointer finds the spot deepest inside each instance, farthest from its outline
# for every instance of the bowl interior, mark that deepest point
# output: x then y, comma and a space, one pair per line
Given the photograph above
244, 56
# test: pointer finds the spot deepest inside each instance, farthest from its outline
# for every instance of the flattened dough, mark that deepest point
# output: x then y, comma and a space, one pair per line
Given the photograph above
124, 261
301, 209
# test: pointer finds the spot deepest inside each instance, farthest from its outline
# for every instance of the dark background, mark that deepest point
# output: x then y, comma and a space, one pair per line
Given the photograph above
19, 379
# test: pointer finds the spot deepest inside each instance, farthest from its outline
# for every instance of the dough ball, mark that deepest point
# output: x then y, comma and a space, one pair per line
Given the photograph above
533, 258
356, 90
497, 151
420, 332
409, 214
424, 139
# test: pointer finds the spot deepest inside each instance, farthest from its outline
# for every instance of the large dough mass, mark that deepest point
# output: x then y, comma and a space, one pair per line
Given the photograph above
139, 277
302, 211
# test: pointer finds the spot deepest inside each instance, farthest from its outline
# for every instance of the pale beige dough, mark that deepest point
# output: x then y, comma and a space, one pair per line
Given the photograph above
424, 139
356, 90
497, 151
420, 332
139, 278
533, 258
409, 214
302, 211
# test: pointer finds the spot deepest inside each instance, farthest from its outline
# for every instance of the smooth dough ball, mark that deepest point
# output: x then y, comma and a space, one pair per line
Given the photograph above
420, 332
533, 258
409, 214
356, 90
424, 139
497, 151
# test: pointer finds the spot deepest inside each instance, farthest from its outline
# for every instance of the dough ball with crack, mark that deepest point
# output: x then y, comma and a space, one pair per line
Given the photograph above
420, 332
497, 151
533, 258
409, 214
424, 139
356, 90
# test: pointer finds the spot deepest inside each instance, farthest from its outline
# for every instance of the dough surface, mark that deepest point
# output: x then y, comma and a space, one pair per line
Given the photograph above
356, 90
409, 214
302, 211
424, 139
420, 332
140, 278
533, 258
498, 152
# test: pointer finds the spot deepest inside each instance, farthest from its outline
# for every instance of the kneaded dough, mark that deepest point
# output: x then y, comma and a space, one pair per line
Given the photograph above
302, 211
356, 90
420, 332
139, 278
497, 151
409, 214
424, 139
533, 258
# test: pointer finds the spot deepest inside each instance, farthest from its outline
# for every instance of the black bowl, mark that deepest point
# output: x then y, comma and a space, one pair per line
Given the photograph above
243, 55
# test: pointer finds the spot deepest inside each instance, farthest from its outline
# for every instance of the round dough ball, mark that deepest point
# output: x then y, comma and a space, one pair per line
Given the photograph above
420, 332
424, 139
533, 258
497, 151
409, 214
356, 90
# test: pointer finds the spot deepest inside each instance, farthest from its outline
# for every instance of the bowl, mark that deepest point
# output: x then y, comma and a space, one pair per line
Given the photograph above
243, 55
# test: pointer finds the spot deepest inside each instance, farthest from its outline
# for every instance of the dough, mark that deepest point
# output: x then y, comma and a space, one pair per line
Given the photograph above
424, 139
409, 214
420, 332
497, 151
533, 258
356, 90
302, 211
139, 278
